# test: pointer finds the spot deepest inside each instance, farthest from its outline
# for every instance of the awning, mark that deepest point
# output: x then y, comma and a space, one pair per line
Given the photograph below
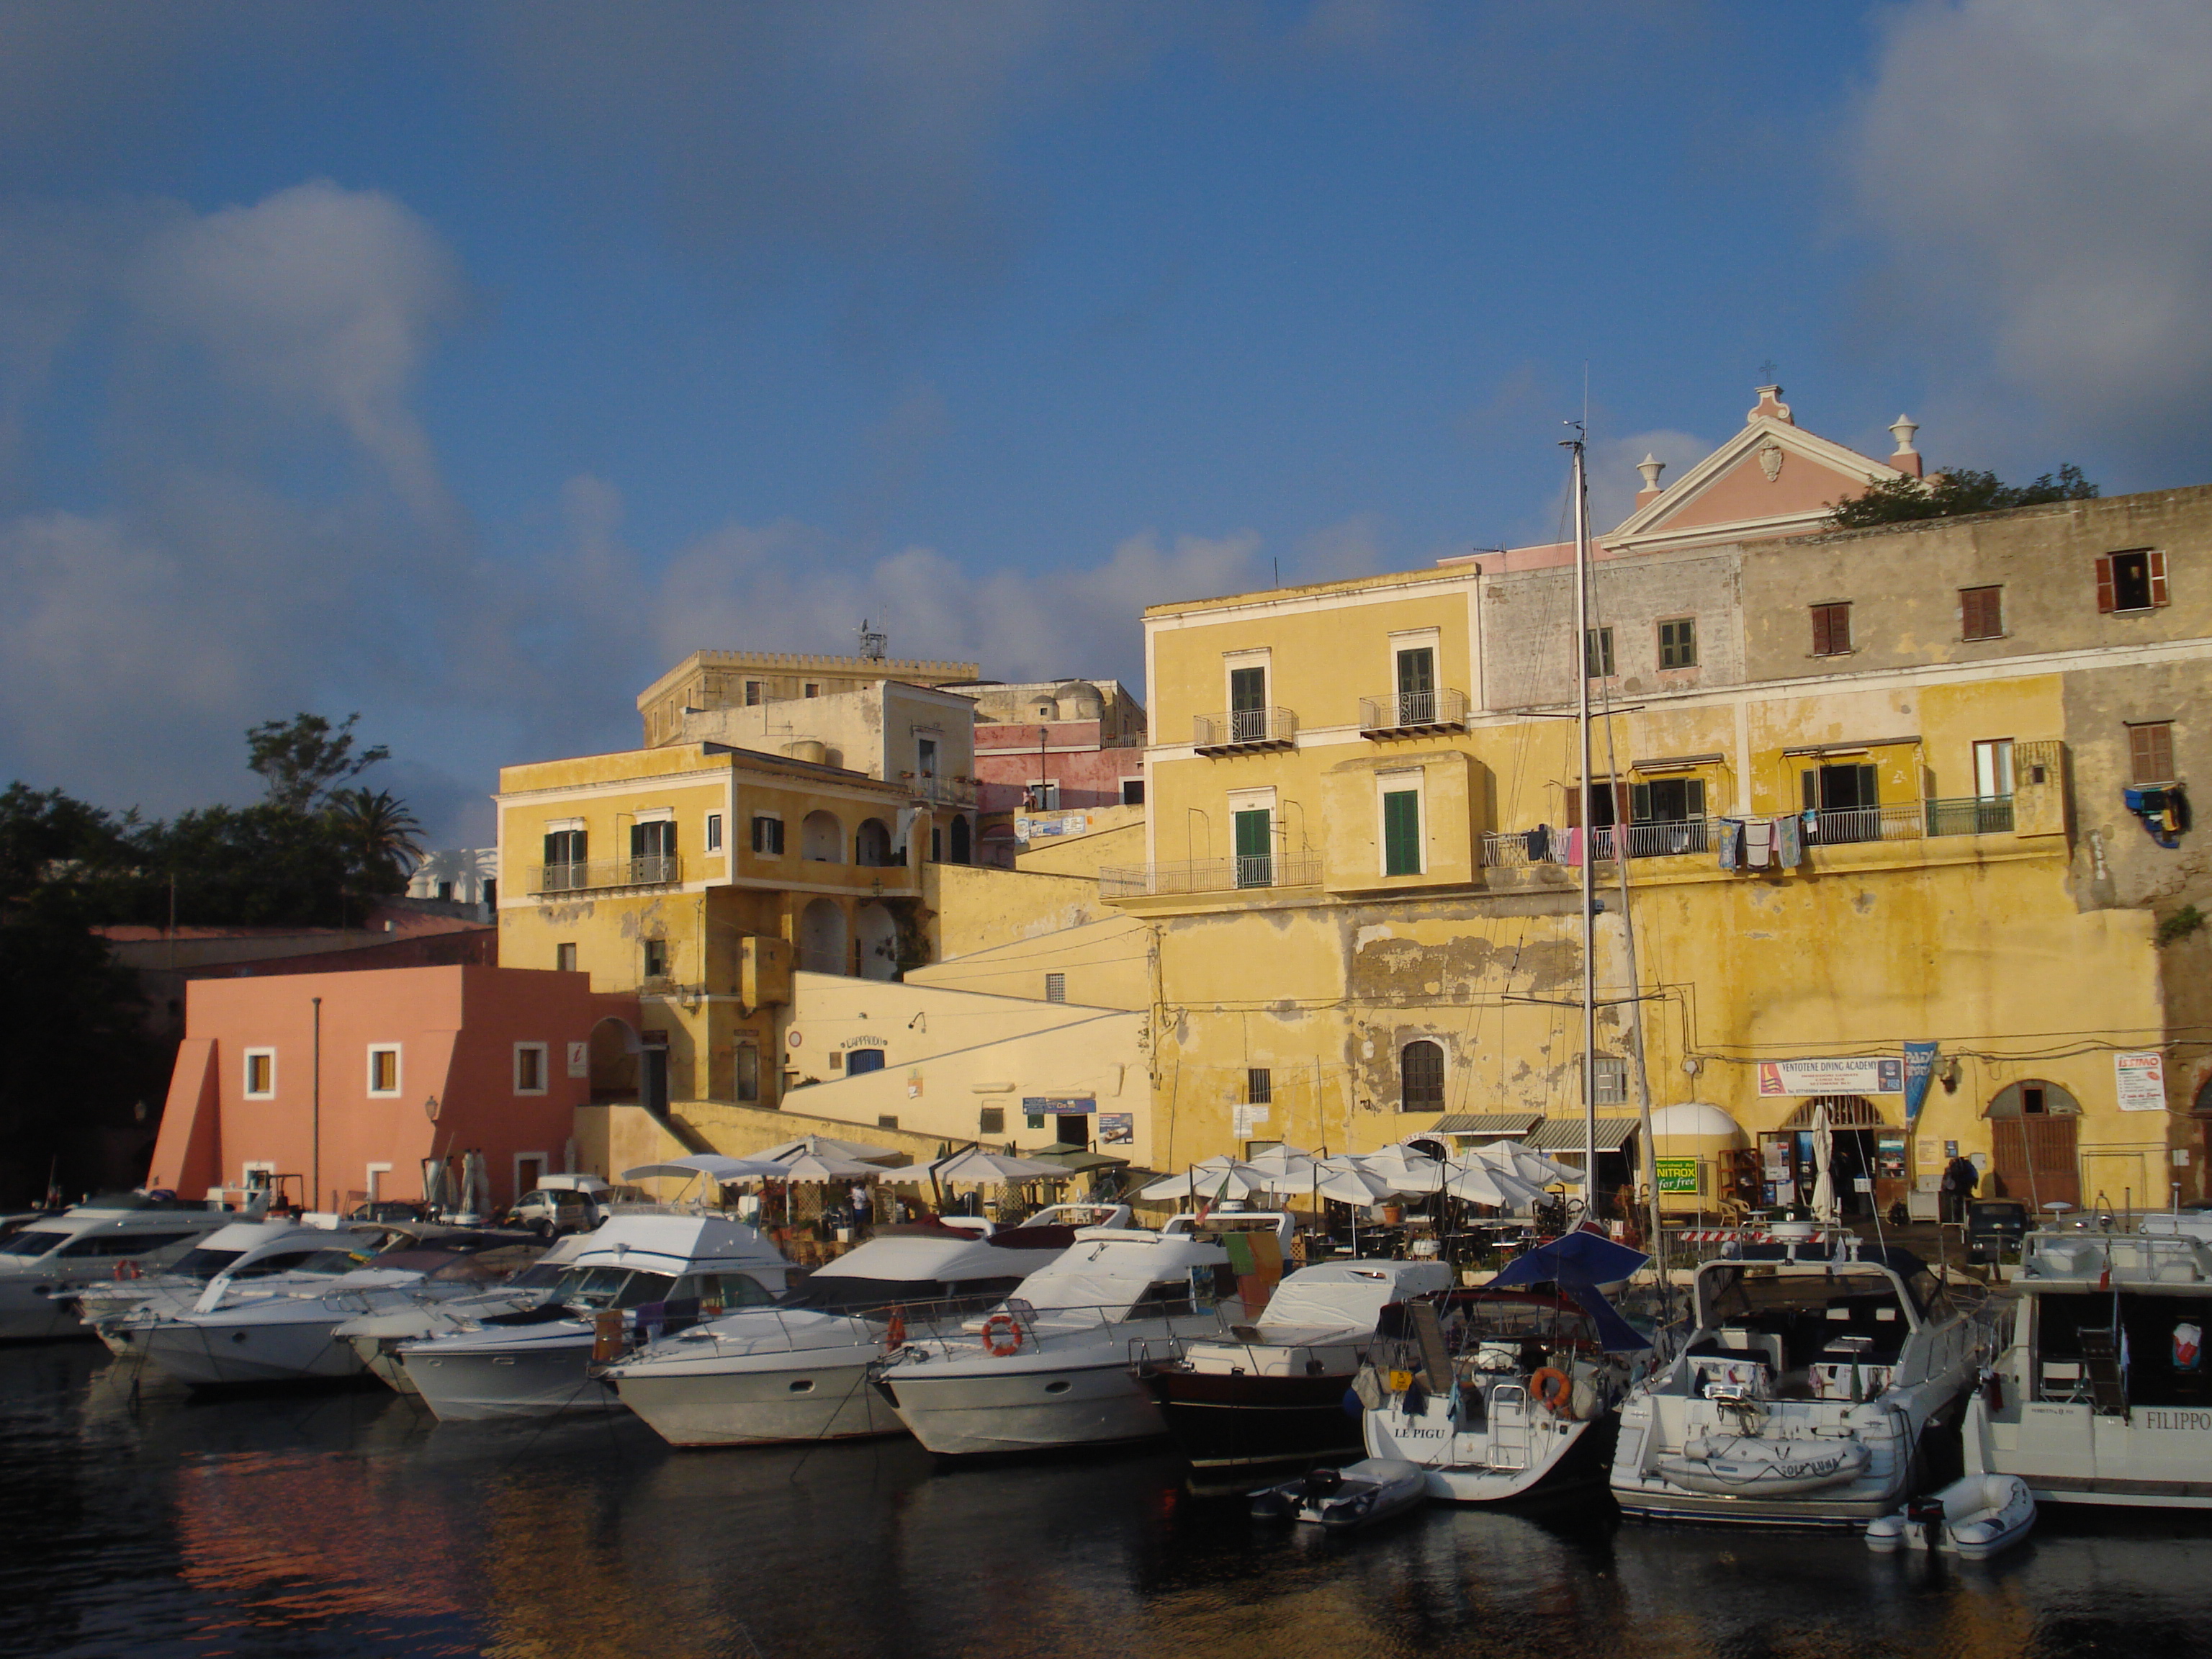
1487, 1123
1570, 1135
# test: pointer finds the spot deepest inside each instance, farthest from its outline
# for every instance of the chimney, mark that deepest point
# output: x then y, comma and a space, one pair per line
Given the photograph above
1907, 459
1651, 466
1770, 406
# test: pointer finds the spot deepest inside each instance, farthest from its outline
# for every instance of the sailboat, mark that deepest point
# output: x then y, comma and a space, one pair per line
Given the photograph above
1514, 1389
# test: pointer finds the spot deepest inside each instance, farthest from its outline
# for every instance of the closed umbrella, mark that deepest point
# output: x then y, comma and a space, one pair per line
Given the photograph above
1824, 1176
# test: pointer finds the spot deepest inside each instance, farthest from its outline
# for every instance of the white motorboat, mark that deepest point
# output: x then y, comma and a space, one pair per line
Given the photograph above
271, 1330
1359, 1495
1974, 1517
45, 1264
1512, 1389
1273, 1393
2100, 1393
799, 1371
377, 1337
536, 1361
246, 1250
1057, 1364
1805, 1391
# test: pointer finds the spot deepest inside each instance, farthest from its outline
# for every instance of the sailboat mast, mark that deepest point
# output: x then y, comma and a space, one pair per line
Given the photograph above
1589, 830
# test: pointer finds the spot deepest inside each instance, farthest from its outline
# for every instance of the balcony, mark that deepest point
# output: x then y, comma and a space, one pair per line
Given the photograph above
1209, 876
1833, 827
1241, 730
602, 874
1412, 714
940, 790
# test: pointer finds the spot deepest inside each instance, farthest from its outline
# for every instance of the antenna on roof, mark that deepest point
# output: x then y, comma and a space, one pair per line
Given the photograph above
871, 642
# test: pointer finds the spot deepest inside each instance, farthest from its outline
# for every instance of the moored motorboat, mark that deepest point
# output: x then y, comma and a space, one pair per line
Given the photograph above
47, 1262
1974, 1517
1273, 1392
1359, 1495
246, 1251
1805, 1394
377, 1337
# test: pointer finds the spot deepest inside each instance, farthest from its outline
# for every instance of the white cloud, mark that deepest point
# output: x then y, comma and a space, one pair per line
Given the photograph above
2041, 171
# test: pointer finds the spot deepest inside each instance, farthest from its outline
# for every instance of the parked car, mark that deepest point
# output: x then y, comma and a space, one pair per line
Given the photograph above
561, 1204
389, 1209
1994, 1225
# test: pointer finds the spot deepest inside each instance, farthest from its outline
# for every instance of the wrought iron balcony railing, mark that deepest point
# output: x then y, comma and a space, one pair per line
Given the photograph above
1990, 815
660, 870
1210, 875
1245, 728
1441, 710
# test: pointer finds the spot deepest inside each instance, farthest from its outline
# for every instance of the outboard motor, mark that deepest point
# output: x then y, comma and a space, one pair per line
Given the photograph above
1927, 1514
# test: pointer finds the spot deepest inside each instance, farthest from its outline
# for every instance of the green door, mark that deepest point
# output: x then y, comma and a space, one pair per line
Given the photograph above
1247, 706
1417, 687
1255, 862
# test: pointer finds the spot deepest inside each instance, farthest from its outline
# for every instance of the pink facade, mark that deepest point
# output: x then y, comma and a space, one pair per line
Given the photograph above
1012, 760
416, 1063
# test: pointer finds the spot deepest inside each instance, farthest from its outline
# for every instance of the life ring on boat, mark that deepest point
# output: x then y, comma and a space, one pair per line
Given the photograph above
894, 1332
126, 1268
997, 1326
1553, 1388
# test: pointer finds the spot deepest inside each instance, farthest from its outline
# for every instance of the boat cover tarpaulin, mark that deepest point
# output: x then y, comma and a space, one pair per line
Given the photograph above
1578, 1262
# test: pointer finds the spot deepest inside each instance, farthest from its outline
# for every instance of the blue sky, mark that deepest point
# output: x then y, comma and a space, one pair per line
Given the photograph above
467, 364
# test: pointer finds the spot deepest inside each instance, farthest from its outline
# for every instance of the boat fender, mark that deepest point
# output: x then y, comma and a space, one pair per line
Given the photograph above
1552, 1389
1002, 1335
1368, 1388
1351, 1402
127, 1268
894, 1332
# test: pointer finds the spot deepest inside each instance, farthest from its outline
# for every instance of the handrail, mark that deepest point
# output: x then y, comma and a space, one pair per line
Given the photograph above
659, 870
1413, 711
1244, 728
1210, 875
1968, 815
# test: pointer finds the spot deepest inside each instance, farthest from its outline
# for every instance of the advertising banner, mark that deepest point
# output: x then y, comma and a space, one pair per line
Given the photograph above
1117, 1129
1059, 1105
2140, 1081
1880, 1074
1919, 1067
1676, 1175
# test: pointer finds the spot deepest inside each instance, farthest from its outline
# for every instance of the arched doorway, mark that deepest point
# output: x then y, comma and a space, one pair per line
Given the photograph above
2034, 1145
963, 846
871, 845
822, 938
822, 839
878, 931
1856, 1131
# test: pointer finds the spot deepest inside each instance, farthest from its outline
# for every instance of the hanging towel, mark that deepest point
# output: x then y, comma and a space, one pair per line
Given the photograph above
1757, 843
1539, 843
1573, 849
1731, 840
1789, 842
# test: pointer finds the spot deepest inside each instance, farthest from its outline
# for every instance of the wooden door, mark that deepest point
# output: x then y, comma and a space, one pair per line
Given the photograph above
2033, 1160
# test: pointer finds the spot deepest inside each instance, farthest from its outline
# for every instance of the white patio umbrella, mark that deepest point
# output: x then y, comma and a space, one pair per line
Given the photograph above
1534, 1168
1824, 1176
1289, 1169
979, 1165
825, 1167
1210, 1179
1481, 1182
712, 1165
828, 1145
1348, 1182
1406, 1171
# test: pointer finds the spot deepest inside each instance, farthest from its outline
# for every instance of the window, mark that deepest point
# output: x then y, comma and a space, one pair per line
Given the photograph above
564, 846
812, 688
1259, 1086
1044, 797
887, 1121
1993, 768
936, 845
655, 839
564, 958
1610, 1073
752, 694
1421, 1077
529, 1069
1402, 833
1132, 792
656, 958
863, 1060
713, 832
446, 891
2150, 751
260, 1073
1597, 653
768, 836
1417, 686
384, 1071
1668, 800
1255, 863
1845, 788
1832, 629
1678, 643
2131, 581
1247, 705
925, 753
491, 893
1981, 613
990, 1119
745, 1071
1055, 987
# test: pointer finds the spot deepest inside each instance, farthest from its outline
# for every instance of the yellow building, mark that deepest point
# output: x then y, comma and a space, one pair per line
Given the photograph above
1871, 785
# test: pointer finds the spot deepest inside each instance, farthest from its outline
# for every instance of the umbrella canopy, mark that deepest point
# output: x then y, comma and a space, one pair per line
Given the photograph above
827, 1166
826, 1145
1289, 1170
1486, 1184
1348, 1183
1581, 1257
977, 1164
1217, 1177
1824, 1174
712, 1165
1534, 1168
1406, 1171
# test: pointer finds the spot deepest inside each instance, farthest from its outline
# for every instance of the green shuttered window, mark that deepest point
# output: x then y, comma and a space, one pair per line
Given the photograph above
1402, 833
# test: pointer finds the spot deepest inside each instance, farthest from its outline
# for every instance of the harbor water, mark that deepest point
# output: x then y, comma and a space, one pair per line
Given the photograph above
136, 1519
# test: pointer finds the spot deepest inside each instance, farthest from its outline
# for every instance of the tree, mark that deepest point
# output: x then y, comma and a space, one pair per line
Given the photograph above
1955, 495
378, 829
303, 758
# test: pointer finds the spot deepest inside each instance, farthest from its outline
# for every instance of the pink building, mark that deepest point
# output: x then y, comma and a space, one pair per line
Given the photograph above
350, 1082
1051, 746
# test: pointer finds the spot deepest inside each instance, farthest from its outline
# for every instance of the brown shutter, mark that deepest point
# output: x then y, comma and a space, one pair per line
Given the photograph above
2105, 604
1821, 647
2156, 561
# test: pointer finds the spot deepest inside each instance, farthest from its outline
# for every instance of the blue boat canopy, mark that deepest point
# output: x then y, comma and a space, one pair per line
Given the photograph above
1578, 1262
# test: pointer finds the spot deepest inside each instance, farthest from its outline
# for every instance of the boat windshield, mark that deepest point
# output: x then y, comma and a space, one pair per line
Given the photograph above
205, 1263
537, 1276
329, 1262
31, 1241
1750, 1293
612, 1287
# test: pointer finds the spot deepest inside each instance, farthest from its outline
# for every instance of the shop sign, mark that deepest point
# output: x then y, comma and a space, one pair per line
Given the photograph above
1676, 1175
1059, 1105
1117, 1129
1878, 1074
2140, 1081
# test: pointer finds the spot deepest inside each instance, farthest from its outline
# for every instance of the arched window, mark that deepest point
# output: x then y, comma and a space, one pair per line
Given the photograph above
1421, 1077
961, 852
822, 839
871, 845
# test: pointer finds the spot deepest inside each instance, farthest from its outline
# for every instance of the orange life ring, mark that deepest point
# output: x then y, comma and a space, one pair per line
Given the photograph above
126, 1268
894, 1334
1002, 1325
1552, 1389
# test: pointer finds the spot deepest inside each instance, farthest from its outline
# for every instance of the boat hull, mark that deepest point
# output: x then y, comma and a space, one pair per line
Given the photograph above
968, 1411
1226, 1424
540, 1378
2070, 1454
204, 1355
817, 1395
34, 1309
1505, 1462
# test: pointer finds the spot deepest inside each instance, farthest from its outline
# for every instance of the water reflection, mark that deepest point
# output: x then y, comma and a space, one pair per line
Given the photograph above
139, 1520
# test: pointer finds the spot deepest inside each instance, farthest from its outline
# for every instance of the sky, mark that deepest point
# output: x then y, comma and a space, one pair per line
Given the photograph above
466, 365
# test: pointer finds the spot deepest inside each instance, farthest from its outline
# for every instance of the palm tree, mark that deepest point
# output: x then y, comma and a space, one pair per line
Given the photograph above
377, 828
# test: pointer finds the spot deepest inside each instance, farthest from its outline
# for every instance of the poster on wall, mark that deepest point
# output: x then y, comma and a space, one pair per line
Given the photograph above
2140, 1080
1117, 1129
1877, 1074
1676, 1175
1244, 1120
1919, 1067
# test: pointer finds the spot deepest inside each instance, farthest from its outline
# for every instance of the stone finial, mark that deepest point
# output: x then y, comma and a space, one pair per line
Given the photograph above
1651, 466
1907, 459
1770, 406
